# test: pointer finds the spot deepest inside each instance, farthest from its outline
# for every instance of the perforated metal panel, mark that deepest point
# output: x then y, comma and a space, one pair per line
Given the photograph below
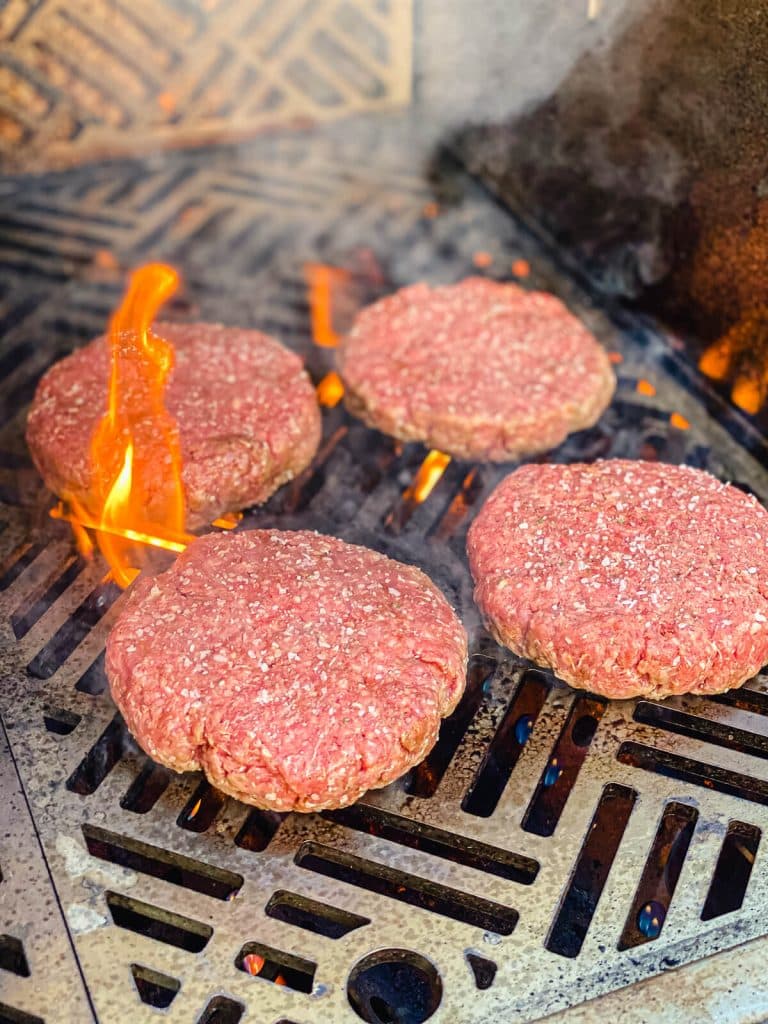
105, 78
529, 885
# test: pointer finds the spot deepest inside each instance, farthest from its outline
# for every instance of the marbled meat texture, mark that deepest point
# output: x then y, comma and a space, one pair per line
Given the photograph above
480, 370
246, 410
298, 671
626, 578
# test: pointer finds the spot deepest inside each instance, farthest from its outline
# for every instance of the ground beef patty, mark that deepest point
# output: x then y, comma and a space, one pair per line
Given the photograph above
480, 370
626, 578
296, 670
246, 410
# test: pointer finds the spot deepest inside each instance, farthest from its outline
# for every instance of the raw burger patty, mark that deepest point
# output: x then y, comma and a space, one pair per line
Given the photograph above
246, 410
296, 670
626, 578
480, 370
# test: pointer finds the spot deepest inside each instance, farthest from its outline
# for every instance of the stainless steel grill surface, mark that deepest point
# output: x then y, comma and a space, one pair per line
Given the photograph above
554, 847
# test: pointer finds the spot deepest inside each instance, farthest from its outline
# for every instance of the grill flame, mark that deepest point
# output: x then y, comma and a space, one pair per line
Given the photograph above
426, 479
135, 450
322, 280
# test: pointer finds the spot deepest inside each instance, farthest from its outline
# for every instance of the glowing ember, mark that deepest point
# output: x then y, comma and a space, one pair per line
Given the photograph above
679, 421
135, 451
749, 393
322, 279
521, 268
482, 259
228, 521
330, 390
644, 387
716, 361
616, 357
425, 481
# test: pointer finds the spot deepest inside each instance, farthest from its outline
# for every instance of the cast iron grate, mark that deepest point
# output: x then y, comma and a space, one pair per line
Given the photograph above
477, 885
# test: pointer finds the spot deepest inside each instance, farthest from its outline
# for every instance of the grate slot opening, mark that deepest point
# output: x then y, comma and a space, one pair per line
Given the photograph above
660, 875
25, 617
312, 915
222, 1010
12, 956
72, 632
270, 964
94, 680
406, 888
156, 923
685, 769
60, 721
19, 561
154, 988
718, 733
507, 744
160, 863
258, 830
113, 744
562, 770
744, 700
461, 504
8, 1015
147, 788
437, 841
427, 776
201, 808
483, 970
299, 494
407, 504
732, 871
591, 870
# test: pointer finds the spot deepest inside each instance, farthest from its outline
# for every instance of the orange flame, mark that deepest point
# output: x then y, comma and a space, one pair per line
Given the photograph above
426, 479
135, 450
749, 394
330, 390
253, 963
322, 279
679, 421
228, 521
644, 387
715, 362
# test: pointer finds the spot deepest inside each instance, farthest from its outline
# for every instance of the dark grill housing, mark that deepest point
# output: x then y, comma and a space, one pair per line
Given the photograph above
480, 861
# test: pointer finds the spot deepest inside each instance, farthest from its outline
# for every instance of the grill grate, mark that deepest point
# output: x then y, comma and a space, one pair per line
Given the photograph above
481, 864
